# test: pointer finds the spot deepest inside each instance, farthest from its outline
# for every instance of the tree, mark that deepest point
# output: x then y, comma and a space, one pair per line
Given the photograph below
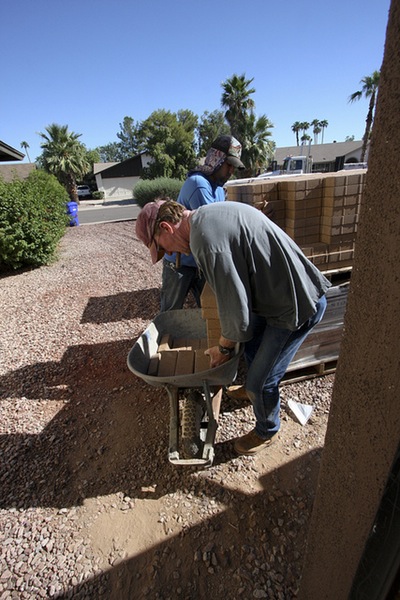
210, 127
323, 124
169, 139
258, 149
128, 136
305, 138
92, 156
25, 146
252, 132
369, 90
316, 125
110, 152
296, 128
188, 120
64, 156
237, 102
304, 126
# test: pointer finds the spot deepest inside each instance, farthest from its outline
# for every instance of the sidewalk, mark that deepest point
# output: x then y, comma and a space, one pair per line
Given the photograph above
106, 202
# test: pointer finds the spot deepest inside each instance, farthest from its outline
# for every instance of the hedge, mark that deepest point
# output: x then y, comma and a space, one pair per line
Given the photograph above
148, 190
32, 220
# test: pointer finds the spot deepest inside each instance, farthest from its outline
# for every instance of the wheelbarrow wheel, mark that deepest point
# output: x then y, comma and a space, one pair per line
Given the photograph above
193, 410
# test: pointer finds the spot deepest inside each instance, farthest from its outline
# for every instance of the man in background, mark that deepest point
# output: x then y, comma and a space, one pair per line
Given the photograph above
204, 185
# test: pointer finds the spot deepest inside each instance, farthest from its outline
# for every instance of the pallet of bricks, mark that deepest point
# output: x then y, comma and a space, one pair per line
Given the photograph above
320, 212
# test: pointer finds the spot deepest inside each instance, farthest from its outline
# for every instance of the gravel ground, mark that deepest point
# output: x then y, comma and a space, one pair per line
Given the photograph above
89, 505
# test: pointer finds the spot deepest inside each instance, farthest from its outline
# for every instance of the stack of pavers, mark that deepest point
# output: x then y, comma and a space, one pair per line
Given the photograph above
340, 216
209, 312
319, 211
178, 356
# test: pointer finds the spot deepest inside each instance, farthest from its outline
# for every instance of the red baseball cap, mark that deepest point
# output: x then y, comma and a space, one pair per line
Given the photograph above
145, 226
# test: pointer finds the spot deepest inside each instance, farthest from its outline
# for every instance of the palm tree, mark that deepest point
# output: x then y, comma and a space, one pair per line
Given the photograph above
237, 102
323, 124
305, 138
316, 125
369, 90
25, 146
296, 127
64, 156
258, 149
304, 125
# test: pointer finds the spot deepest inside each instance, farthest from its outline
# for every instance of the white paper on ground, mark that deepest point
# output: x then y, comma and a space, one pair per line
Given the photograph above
301, 411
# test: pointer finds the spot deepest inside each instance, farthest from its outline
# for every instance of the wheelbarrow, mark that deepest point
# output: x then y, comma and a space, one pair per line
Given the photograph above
206, 385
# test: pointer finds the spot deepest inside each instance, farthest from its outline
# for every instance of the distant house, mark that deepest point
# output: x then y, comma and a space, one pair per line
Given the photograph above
117, 180
11, 171
326, 157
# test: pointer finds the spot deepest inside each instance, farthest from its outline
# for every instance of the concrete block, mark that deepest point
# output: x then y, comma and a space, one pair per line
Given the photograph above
179, 343
184, 362
165, 342
209, 313
153, 365
208, 297
167, 363
201, 361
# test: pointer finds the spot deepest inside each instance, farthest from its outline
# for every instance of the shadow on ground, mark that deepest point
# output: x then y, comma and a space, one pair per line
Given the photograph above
107, 424
235, 552
121, 307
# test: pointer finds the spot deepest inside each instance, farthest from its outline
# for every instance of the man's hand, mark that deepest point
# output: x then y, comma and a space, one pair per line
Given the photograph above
216, 358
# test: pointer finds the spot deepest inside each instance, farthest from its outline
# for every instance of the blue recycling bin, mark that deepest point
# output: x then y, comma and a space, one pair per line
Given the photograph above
72, 211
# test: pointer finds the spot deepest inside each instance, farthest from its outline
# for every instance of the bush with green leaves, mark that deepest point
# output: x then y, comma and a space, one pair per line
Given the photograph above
98, 195
148, 190
32, 220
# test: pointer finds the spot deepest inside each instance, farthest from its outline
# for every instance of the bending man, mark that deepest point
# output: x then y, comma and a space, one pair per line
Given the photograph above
269, 295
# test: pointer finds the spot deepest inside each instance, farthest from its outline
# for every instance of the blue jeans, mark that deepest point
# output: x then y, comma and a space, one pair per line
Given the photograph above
268, 355
177, 283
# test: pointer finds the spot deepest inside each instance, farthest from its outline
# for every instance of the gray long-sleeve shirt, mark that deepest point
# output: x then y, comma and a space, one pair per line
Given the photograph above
253, 266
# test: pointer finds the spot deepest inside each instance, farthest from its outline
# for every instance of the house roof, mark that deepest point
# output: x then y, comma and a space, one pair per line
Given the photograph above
131, 167
8, 153
10, 172
319, 152
100, 167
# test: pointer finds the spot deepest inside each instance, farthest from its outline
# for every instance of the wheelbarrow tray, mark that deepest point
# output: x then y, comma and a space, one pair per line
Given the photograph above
184, 324
181, 323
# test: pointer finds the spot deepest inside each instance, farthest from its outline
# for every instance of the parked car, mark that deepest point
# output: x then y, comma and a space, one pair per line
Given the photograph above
84, 191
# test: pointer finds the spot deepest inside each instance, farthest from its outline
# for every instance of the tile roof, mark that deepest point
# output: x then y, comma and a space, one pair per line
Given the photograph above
10, 172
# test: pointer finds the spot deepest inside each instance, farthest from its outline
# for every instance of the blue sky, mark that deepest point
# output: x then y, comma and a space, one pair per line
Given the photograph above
88, 64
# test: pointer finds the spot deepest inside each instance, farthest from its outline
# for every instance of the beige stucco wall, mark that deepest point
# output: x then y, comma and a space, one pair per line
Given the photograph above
364, 423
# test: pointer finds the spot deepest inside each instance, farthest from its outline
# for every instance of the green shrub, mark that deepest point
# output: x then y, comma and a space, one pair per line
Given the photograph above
32, 220
148, 190
97, 195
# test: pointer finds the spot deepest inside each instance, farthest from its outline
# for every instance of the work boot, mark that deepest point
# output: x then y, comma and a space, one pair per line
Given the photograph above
251, 443
237, 392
